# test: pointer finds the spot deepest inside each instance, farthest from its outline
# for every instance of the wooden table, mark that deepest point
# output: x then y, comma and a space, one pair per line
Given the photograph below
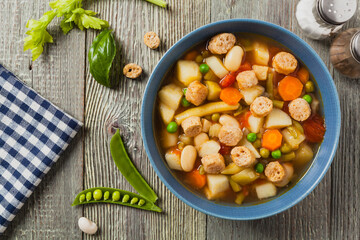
331, 211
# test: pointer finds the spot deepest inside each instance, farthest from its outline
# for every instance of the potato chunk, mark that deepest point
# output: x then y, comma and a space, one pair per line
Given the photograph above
166, 113
216, 185
208, 148
187, 72
261, 53
255, 123
214, 90
261, 72
168, 139
277, 119
265, 190
251, 93
173, 159
171, 95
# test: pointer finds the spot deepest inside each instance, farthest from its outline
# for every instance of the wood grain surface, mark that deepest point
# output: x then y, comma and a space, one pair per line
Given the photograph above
62, 75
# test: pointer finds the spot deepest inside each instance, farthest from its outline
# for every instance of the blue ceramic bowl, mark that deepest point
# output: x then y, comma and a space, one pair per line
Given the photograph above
322, 159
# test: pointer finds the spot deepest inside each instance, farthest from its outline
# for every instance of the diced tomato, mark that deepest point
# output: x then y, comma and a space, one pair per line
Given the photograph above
314, 129
245, 190
244, 119
224, 150
227, 81
244, 67
175, 150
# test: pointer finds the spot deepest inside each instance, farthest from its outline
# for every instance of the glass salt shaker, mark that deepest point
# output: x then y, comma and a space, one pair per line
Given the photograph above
345, 53
320, 19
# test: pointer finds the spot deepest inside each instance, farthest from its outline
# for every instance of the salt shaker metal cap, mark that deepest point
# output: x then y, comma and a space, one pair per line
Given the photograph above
355, 46
336, 12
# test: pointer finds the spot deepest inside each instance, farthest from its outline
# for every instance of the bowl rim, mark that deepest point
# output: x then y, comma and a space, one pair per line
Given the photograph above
208, 208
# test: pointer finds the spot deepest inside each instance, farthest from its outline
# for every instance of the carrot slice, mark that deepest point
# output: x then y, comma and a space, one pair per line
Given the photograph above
230, 95
290, 88
195, 179
272, 139
303, 75
191, 55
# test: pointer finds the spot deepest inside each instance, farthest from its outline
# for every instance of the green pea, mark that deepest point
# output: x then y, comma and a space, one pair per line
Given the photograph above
276, 154
82, 198
251, 137
185, 103
259, 135
204, 68
88, 196
285, 148
134, 200
257, 143
97, 194
184, 91
116, 196
205, 54
259, 168
307, 98
106, 195
172, 127
215, 117
199, 59
309, 86
264, 153
125, 198
141, 202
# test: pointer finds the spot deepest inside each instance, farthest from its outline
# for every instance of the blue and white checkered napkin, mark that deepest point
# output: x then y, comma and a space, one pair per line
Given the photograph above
33, 133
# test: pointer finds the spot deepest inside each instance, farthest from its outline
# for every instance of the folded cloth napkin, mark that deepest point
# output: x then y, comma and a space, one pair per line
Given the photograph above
33, 133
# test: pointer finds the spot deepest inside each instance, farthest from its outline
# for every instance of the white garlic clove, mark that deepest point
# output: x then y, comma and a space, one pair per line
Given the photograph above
87, 226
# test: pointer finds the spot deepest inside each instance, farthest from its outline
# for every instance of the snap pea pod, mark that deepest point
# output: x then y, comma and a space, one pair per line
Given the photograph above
128, 169
124, 198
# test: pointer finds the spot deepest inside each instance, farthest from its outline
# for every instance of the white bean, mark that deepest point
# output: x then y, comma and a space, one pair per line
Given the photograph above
87, 226
227, 120
188, 157
233, 58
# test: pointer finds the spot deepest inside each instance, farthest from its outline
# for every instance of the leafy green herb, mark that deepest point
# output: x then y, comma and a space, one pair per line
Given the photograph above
38, 35
101, 55
73, 14
160, 3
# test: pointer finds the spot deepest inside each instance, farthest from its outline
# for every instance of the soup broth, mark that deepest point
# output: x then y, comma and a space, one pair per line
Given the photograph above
238, 118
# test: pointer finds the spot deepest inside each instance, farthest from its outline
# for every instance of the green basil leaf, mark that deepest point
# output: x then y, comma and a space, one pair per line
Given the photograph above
101, 55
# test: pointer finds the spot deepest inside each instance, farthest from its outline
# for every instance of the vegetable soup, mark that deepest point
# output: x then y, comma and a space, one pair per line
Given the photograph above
238, 118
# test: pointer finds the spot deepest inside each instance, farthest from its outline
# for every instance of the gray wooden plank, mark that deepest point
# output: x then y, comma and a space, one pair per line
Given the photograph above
345, 191
58, 76
130, 21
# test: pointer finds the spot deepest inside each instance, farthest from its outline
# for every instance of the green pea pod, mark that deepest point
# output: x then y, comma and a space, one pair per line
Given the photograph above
101, 55
145, 203
128, 169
